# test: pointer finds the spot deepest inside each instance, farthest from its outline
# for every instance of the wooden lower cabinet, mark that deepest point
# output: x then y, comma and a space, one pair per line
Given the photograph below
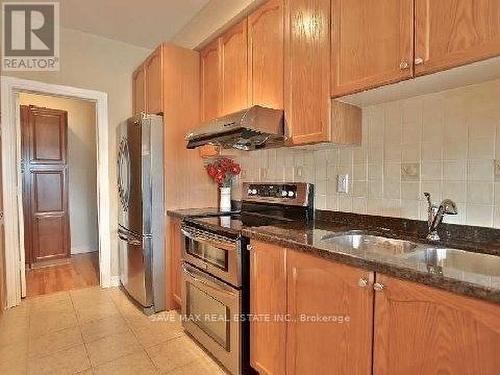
175, 260
322, 289
423, 330
303, 288
268, 298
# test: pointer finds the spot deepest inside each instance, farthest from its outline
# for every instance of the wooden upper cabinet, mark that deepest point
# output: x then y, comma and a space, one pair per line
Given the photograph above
234, 68
265, 55
450, 33
139, 90
210, 81
329, 290
430, 331
154, 81
372, 43
268, 297
307, 70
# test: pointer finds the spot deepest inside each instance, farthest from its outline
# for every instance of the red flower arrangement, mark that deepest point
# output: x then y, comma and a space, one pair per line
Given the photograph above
223, 170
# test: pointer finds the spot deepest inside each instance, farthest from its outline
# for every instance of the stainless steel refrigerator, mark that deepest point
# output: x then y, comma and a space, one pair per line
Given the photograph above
141, 211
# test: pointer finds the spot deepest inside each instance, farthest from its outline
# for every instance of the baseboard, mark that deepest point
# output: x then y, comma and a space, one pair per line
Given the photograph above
75, 251
115, 281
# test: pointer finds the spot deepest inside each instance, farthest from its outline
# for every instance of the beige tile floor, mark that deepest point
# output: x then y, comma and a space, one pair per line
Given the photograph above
95, 331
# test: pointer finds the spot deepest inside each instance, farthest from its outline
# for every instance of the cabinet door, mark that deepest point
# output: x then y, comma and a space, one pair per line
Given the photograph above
234, 68
450, 33
265, 55
175, 256
430, 331
330, 328
139, 90
210, 81
372, 43
154, 85
268, 299
307, 70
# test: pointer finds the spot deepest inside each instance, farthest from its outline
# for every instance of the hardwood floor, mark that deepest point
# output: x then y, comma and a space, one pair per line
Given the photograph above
81, 271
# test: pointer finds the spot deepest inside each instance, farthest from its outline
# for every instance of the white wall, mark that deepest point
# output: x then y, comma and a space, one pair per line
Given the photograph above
453, 138
96, 63
215, 17
82, 165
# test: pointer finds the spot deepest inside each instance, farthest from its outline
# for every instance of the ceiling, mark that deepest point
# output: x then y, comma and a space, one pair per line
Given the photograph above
143, 23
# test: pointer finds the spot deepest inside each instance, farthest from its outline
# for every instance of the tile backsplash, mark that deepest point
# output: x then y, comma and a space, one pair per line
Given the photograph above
445, 143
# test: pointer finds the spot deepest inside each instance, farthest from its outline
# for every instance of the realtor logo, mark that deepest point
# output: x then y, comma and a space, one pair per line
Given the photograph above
30, 36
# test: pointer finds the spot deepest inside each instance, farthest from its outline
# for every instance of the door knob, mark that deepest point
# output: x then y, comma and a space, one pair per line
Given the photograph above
378, 287
404, 65
419, 61
363, 282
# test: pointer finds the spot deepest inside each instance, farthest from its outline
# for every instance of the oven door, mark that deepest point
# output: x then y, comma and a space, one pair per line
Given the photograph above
218, 255
211, 310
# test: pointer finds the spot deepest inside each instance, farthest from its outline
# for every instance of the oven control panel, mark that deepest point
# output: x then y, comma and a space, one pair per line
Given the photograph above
298, 193
275, 191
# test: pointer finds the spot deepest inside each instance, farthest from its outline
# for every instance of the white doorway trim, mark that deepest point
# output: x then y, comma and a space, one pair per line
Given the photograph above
12, 186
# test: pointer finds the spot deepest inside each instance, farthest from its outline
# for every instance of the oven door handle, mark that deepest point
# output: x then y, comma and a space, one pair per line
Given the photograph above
226, 245
210, 284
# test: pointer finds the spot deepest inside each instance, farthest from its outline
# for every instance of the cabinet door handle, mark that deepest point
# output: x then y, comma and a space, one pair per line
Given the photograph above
419, 61
363, 282
378, 287
404, 65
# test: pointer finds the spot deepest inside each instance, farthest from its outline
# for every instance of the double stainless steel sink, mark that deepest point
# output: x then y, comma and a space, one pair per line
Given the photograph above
358, 240
436, 259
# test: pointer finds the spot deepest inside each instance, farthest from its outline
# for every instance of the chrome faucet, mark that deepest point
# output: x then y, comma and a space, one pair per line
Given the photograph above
435, 215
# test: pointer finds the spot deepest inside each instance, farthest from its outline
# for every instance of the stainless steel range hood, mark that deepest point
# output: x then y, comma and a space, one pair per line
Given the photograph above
252, 128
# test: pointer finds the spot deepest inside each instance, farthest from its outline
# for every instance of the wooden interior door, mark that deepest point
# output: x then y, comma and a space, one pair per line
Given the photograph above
268, 298
45, 183
455, 32
372, 43
328, 290
423, 330
234, 68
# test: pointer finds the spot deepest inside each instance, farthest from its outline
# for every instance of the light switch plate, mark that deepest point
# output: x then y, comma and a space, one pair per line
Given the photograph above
410, 171
497, 170
299, 171
343, 183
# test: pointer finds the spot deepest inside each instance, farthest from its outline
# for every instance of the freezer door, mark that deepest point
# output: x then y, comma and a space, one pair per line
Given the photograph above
135, 267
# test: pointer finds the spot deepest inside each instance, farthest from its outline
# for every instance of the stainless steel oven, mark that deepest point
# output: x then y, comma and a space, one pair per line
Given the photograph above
218, 255
211, 310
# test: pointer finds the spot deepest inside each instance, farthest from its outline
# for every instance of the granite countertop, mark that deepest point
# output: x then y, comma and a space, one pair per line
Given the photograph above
479, 278
476, 276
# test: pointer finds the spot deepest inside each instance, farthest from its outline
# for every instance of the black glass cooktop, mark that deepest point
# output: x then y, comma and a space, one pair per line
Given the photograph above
236, 222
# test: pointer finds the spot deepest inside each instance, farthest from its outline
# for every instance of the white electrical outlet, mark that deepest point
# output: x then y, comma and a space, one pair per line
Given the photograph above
343, 183
299, 171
